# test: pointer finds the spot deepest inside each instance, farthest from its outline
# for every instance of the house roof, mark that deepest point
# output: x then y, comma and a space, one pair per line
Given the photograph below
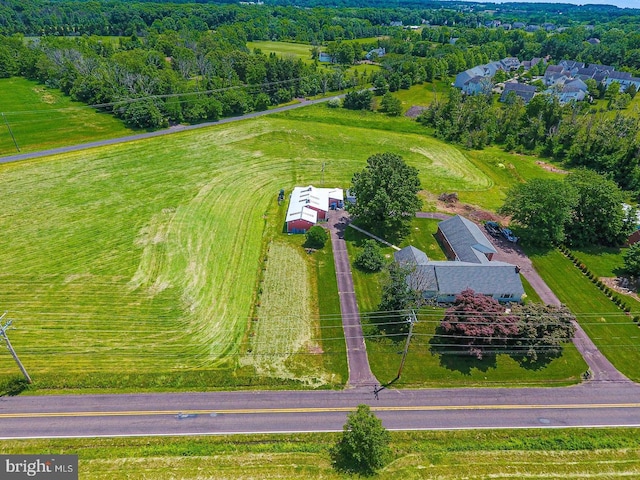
305, 201
619, 75
411, 256
553, 69
489, 279
467, 75
466, 239
577, 83
571, 64
526, 92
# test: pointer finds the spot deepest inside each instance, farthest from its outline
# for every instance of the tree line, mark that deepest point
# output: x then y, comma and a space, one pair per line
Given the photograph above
169, 77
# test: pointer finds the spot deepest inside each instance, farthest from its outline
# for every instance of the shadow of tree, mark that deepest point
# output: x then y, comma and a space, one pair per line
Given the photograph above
455, 357
538, 364
14, 386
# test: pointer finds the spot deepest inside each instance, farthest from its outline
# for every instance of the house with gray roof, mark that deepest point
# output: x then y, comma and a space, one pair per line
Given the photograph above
376, 53
470, 266
623, 78
571, 66
525, 92
467, 75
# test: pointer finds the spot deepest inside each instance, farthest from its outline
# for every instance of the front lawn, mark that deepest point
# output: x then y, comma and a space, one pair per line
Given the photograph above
613, 332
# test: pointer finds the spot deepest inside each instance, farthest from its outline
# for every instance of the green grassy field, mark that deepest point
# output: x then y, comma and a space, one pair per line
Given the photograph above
613, 332
296, 50
481, 454
42, 118
134, 266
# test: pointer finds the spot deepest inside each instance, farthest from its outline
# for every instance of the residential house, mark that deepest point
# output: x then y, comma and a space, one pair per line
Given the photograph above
529, 64
519, 25
310, 205
555, 74
464, 77
571, 94
571, 66
525, 92
510, 63
470, 266
477, 85
593, 41
325, 57
623, 78
376, 53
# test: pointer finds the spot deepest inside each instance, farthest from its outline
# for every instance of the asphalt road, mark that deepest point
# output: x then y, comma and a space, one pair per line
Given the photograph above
158, 133
214, 413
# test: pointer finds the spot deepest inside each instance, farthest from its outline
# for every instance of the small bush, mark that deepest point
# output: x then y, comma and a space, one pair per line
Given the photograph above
316, 237
370, 258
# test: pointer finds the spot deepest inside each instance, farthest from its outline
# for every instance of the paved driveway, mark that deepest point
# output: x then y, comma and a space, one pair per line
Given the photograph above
359, 371
601, 368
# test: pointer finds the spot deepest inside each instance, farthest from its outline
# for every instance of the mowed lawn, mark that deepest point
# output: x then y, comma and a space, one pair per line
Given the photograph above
42, 117
136, 265
613, 332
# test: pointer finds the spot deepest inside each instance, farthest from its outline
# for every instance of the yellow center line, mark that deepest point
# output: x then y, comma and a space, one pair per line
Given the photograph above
431, 408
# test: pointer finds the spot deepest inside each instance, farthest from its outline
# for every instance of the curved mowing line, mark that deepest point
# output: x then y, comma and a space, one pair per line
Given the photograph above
166, 232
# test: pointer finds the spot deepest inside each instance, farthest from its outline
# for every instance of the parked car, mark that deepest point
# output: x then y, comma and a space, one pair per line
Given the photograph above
508, 234
493, 228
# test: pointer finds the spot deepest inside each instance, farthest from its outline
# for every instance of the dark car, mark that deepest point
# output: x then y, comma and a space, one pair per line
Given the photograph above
493, 228
508, 234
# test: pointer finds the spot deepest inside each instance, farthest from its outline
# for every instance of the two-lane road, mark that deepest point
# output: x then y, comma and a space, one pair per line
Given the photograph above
215, 413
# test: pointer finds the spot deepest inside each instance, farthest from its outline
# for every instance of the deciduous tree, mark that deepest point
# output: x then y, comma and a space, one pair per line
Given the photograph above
542, 207
597, 217
387, 194
364, 445
631, 258
370, 259
542, 330
397, 298
478, 324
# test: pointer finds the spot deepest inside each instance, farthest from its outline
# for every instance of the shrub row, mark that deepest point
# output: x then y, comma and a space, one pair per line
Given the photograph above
613, 296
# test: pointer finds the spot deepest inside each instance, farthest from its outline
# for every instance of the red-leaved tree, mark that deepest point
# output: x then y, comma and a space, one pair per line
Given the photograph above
478, 324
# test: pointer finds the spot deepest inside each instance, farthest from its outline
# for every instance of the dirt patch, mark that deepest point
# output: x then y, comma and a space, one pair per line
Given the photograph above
472, 212
45, 96
550, 167
621, 285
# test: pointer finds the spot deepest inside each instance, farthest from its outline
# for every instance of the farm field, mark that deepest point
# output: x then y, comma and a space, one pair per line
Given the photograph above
285, 330
135, 266
613, 332
450, 455
42, 117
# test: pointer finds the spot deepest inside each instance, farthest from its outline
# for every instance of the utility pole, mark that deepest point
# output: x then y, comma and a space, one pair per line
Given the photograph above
412, 320
11, 133
3, 334
323, 163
